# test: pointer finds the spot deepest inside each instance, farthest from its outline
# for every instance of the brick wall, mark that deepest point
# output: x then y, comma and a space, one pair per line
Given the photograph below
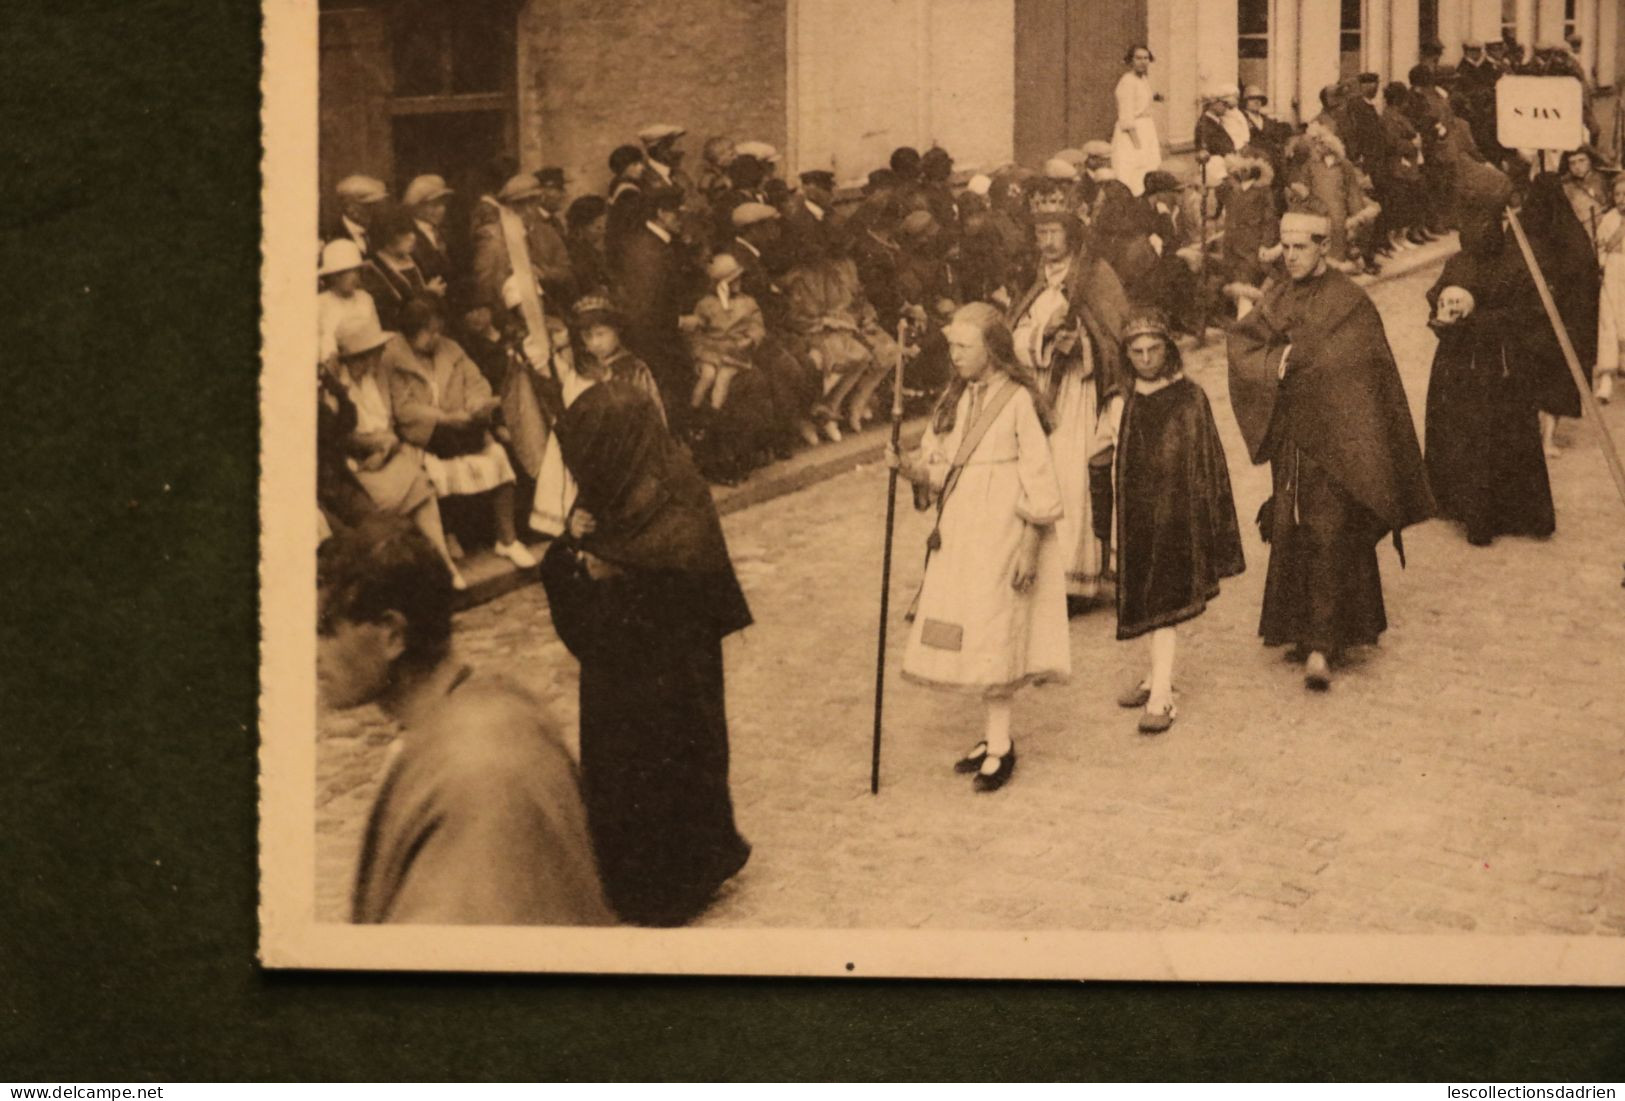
593, 72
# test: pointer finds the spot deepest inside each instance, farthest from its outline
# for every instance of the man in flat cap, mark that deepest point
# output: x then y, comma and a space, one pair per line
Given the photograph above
810, 226
1119, 228
664, 158
936, 190
1475, 71
425, 199
719, 152
491, 264
1317, 395
655, 291
1213, 137
756, 242
359, 200
544, 231
747, 174
627, 168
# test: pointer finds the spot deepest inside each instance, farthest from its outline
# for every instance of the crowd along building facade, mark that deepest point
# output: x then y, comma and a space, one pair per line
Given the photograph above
410, 86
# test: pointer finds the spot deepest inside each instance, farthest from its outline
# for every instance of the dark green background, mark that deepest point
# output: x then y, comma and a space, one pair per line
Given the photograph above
129, 139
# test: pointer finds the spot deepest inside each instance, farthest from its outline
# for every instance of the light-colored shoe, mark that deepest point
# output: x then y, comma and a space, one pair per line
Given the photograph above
516, 553
458, 581
1605, 387
1317, 674
832, 431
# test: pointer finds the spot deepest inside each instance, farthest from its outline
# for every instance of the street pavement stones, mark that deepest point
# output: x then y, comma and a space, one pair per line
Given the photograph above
1468, 774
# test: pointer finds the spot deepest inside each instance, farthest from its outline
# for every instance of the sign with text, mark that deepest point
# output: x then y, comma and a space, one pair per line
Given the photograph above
1539, 112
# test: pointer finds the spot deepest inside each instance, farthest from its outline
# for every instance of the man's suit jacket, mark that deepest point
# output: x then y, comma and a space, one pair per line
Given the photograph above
653, 296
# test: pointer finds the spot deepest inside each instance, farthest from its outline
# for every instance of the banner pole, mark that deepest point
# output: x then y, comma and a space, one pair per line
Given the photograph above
1588, 400
885, 564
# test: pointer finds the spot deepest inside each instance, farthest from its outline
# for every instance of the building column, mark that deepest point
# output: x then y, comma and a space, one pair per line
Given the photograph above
1485, 20
1526, 23
1548, 21
1452, 16
1215, 44
1404, 47
1610, 44
1374, 38
1319, 36
1283, 82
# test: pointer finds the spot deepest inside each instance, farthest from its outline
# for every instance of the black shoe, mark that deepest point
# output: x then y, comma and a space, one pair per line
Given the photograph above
1479, 539
993, 781
1417, 238
1317, 675
972, 761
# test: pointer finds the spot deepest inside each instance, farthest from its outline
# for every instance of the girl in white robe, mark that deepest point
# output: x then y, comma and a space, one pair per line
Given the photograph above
991, 613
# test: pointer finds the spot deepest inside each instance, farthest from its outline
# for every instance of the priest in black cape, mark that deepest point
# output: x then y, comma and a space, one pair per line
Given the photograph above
642, 591
1485, 462
1317, 395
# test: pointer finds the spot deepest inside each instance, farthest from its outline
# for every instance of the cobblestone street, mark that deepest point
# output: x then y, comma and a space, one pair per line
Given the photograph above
1468, 774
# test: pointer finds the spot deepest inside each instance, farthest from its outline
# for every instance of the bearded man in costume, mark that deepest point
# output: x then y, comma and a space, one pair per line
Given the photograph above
1317, 396
1067, 330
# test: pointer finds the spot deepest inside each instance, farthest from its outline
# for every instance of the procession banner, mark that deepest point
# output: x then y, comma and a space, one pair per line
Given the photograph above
1540, 112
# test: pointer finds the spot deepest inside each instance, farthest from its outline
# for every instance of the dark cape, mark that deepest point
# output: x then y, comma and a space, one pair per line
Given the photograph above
1485, 461
1563, 248
1176, 520
654, 731
1346, 464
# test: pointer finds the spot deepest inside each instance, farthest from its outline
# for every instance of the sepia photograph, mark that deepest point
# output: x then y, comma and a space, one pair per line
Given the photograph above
1088, 489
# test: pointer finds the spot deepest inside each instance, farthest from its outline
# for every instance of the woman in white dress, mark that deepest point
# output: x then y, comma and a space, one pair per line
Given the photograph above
1135, 147
991, 613
341, 297
1611, 316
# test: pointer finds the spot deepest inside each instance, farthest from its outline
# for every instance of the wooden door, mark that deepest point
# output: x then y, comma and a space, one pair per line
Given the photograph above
1069, 57
353, 98
1099, 32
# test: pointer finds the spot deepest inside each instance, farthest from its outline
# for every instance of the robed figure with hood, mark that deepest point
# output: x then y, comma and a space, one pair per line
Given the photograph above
642, 591
1485, 462
1317, 395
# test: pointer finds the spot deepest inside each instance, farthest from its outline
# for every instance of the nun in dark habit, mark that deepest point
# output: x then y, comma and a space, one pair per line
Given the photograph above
642, 591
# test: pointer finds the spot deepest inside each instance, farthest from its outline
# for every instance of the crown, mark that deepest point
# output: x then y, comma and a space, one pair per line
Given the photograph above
1145, 324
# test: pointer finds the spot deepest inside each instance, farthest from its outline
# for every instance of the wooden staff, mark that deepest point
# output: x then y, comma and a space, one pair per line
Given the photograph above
1587, 399
1202, 157
885, 562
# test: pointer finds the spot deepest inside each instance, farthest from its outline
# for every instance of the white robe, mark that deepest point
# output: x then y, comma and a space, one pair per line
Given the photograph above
1611, 315
1074, 417
973, 632
1134, 117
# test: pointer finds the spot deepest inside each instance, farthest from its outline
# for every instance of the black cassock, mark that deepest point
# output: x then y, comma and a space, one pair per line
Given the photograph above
1347, 468
654, 730
1484, 456
1177, 534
